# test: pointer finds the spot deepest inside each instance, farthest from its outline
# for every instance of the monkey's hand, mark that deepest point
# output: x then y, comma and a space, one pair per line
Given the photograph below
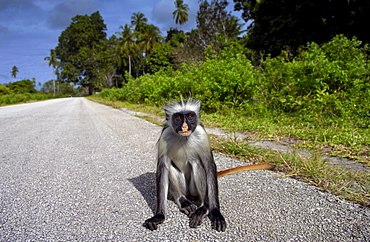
217, 220
153, 222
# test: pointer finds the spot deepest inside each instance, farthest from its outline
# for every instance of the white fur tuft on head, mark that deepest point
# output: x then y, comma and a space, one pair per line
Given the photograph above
188, 105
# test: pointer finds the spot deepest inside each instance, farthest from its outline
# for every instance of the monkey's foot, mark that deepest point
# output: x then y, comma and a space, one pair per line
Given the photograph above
197, 217
217, 220
153, 222
188, 207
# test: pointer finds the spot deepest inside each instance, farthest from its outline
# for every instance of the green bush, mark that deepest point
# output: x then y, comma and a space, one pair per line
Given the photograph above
4, 90
332, 80
225, 81
114, 94
21, 98
324, 79
158, 88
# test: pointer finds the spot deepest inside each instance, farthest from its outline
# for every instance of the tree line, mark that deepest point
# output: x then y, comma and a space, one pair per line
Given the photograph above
86, 56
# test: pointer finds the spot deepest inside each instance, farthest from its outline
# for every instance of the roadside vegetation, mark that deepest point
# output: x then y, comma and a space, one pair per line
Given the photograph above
319, 98
21, 92
24, 91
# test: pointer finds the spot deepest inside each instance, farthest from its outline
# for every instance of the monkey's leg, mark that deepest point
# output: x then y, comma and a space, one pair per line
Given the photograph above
211, 203
178, 189
198, 186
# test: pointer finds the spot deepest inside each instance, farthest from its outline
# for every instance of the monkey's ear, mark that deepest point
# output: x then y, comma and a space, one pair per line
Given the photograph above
168, 114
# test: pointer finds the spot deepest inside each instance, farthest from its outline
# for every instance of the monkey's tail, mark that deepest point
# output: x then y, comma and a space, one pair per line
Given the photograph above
245, 168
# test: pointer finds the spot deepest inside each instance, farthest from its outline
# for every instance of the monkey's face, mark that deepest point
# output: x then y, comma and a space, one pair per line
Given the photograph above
184, 123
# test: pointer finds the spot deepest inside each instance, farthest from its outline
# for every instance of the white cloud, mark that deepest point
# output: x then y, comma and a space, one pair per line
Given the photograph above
60, 16
20, 15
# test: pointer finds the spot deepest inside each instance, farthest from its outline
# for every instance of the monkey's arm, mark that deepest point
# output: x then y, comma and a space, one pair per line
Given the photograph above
162, 191
217, 220
245, 168
212, 205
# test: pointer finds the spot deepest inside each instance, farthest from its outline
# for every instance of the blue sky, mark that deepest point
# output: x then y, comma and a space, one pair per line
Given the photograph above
30, 28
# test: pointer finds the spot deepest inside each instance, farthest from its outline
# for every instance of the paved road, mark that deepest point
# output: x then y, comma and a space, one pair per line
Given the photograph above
71, 169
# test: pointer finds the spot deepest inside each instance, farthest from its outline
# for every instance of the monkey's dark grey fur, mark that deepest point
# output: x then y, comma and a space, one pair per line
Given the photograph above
186, 168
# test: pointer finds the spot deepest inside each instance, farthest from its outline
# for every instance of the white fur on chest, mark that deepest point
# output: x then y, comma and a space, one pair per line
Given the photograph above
184, 149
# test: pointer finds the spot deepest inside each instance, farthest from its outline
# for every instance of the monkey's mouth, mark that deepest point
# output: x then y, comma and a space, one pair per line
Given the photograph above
185, 130
185, 133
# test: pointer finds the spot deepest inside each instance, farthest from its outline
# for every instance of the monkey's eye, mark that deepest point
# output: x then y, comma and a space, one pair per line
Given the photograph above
178, 118
190, 117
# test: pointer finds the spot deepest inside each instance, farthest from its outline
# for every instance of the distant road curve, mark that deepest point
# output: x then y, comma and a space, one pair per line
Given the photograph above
75, 170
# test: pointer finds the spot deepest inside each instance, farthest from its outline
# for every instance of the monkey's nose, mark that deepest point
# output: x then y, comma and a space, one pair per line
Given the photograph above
184, 127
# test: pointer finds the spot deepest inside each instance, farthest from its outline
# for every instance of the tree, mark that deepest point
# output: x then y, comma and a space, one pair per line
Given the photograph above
215, 28
160, 58
175, 37
23, 86
181, 13
4, 90
148, 39
14, 72
53, 62
79, 51
64, 88
278, 25
139, 21
136, 42
127, 46
215, 24
108, 58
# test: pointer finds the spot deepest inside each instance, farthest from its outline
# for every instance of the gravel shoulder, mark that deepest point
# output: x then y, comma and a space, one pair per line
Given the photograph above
72, 169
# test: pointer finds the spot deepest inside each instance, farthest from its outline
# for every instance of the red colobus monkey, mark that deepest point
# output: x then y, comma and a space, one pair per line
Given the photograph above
186, 168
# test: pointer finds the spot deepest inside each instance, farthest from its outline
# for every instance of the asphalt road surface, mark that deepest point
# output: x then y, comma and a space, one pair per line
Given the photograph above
75, 170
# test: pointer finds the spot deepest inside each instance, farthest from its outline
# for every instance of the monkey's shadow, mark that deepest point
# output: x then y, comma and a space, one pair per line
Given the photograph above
145, 184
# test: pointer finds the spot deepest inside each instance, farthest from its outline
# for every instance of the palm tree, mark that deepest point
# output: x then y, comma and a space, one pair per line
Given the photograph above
181, 13
148, 39
14, 72
139, 21
127, 46
53, 62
